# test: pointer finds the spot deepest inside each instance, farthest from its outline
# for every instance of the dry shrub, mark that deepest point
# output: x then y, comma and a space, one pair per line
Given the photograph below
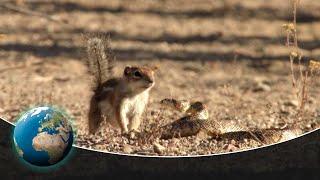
301, 75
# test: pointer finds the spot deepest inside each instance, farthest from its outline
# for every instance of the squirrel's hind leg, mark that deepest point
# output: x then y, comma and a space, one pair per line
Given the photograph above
135, 122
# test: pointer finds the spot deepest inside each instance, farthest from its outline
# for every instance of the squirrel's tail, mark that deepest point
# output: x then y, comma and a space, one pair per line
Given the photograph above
100, 59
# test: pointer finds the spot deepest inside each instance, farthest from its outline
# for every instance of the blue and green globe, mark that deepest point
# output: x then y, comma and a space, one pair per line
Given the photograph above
43, 136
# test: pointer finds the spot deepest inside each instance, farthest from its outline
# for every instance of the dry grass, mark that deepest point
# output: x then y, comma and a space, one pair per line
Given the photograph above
301, 78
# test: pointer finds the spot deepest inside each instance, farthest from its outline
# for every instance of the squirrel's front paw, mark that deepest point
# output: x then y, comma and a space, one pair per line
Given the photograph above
132, 134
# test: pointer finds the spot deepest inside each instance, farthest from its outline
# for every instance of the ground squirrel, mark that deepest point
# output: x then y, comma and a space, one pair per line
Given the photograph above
120, 101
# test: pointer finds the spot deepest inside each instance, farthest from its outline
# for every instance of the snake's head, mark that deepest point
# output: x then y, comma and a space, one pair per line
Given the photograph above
196, 107
199, 110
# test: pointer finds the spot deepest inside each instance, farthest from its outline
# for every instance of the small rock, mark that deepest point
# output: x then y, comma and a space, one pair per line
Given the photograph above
315, 126
33, 61
259, 79
131, 142
158, 148
202, 135
292, 103
62, 78
127, 149
152, 113
39, 78
146, 153
233, 142
284, 110
132, 135
193, 69
100, 147
183, 153
175, 150
262, 87
229, 147
311, 100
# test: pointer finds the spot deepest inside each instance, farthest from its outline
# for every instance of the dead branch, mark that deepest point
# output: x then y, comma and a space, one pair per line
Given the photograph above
11, 68
30, 12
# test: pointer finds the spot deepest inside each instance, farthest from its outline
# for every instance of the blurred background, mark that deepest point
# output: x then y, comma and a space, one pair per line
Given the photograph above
158, 29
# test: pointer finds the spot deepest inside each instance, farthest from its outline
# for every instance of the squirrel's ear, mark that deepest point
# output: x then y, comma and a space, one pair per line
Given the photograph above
127, 70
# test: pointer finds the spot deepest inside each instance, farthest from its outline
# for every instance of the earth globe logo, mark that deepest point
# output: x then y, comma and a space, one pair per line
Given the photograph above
43, 136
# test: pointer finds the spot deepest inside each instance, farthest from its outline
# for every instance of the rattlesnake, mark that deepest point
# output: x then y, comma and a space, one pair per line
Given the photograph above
197, 119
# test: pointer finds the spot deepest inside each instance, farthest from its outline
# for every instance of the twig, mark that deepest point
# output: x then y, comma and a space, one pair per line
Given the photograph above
295, 8
304, 93
30, 12
10, 68
294, 82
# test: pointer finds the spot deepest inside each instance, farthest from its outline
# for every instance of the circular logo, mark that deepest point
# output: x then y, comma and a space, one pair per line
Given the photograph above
43, 136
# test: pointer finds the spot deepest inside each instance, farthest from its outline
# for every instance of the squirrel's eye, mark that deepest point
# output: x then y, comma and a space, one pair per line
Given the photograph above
137, 74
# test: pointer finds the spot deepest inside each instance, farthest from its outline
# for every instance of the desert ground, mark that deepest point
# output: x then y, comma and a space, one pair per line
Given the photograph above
230, 54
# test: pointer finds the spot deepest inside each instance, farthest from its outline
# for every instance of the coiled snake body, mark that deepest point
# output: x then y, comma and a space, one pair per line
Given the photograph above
197, 119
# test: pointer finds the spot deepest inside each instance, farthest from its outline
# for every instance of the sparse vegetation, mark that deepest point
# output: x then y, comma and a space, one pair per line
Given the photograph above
299, 84
300, 70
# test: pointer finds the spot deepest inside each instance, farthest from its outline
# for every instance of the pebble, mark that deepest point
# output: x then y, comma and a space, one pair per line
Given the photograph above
127, 149
100, 147
183, 153
261, 87
38, 78
175, 150
158, 148
33, 61
292, 103
284, 110
202, 135
62, 78
233, 142
229, 147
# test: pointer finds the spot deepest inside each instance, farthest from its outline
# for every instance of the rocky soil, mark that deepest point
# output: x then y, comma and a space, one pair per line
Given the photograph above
229, 54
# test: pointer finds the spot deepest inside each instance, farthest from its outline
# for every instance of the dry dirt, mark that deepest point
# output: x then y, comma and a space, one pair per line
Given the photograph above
228, 54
